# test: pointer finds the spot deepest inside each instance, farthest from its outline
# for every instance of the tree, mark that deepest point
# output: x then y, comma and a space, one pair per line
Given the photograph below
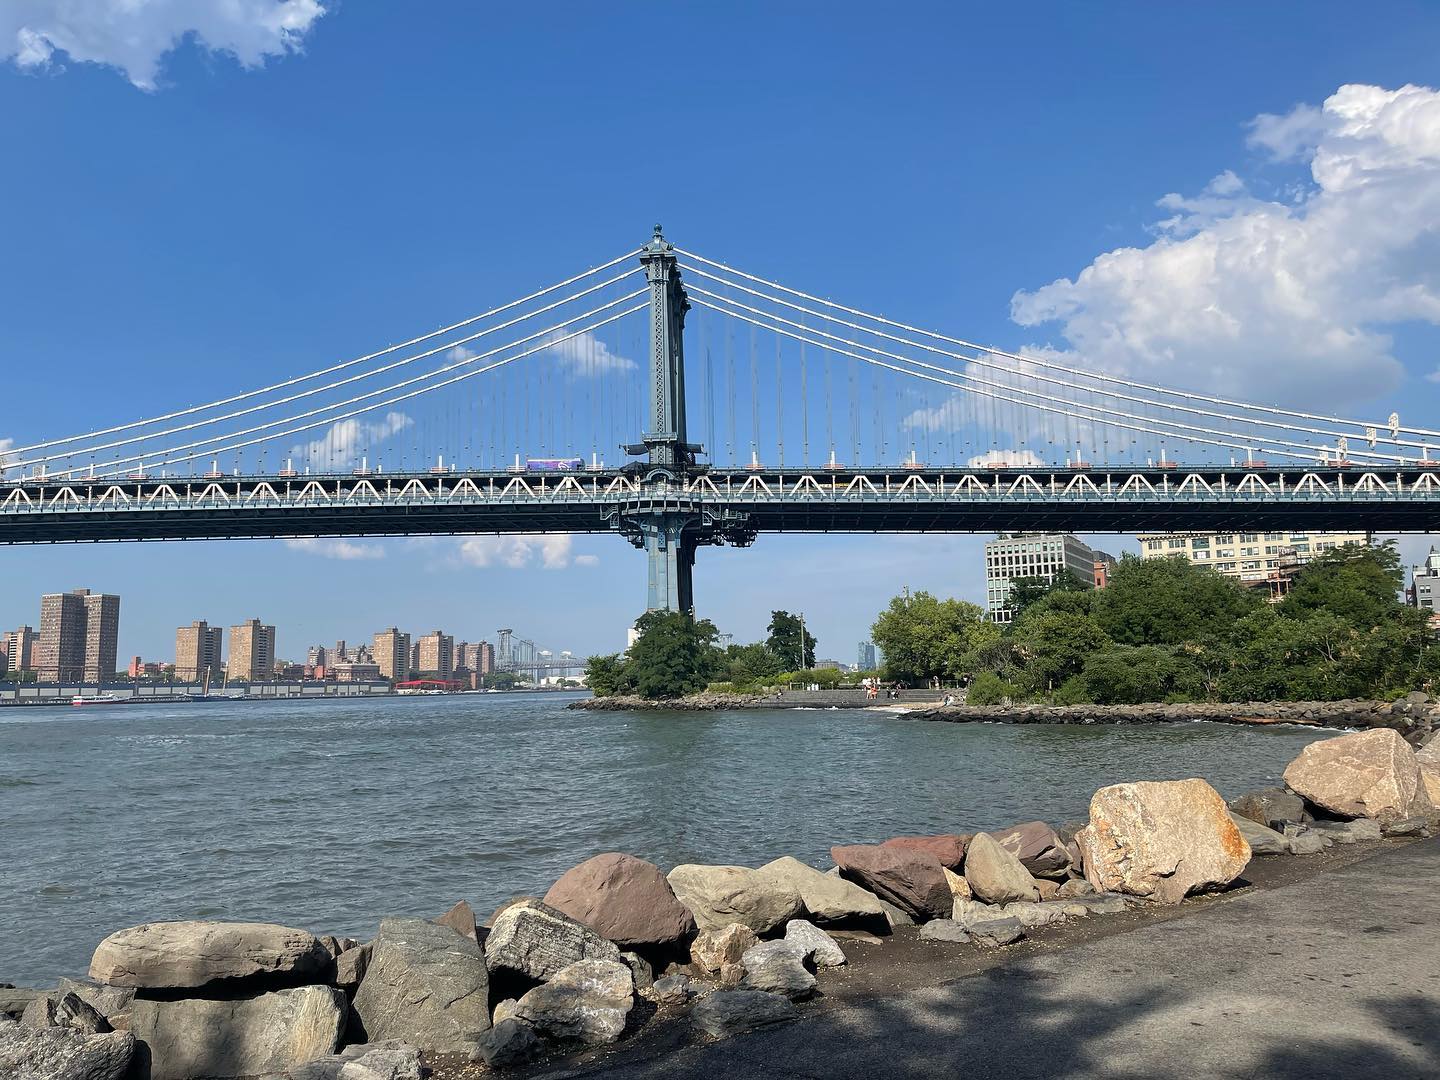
675, 654
924, 638
1136, 674
1358, 583
606, 675
784, 641
1168, 601
501, 680
749, 664
1053, 646
1026, 591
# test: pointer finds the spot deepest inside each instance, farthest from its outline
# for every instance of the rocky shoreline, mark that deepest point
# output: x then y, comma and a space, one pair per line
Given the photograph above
618, 946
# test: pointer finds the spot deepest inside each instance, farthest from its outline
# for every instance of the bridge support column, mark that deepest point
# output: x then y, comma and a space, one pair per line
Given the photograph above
670, 553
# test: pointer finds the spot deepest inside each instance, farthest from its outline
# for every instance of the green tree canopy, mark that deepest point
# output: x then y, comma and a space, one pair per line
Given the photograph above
1026, 591
1168, 601
607, 676
1358, 583
1054, 645
750, 664
1136, 674
924, 638
784, 641
675, 654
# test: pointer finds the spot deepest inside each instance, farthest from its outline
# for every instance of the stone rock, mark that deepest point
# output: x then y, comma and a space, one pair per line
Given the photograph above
1348, 832
713, 949
461, 919
1270, 806
426, 985
729, 1012
640, 969
351, 965
778, 967
992, 933
13, 1000
1262, 839
1074, 889
673, 990
507, 905
1032, 915
507, 1044
959, 887
242, 1037
1103, 905
111, 1002
182, 955
971, 911
948, 848
62, 1054
828, 898
996, 874
732, 975
1309, 842
1428, 760
721, 895
1415, 826
815, 944
944, 930
587, 1002
1037, 846
535, 940
1048, 888
504, 1011
625, 900
1369, 774
1164, 840
388, 1060
64, 1010
1070, 909
913, 881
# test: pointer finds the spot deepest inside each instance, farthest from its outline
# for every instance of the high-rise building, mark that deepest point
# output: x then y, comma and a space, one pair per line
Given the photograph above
484, 658
866, 658
437, 654
197, 652
1425, 591
391, 653
316, 657
17, 650
252, 651
1253, 558
341, 653
79, 636
1036, 555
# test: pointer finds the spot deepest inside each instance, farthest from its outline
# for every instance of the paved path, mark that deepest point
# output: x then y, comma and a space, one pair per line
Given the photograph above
1336, 976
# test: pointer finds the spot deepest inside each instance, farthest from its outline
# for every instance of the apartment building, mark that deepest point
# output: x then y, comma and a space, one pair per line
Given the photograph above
1037, 555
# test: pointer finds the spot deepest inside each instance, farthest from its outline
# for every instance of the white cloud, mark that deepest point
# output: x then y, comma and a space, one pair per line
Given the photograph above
1276, 301
587, 560
345, 550
1026, 458
344, 441
135, 35
5, 444
586, 354
550, 552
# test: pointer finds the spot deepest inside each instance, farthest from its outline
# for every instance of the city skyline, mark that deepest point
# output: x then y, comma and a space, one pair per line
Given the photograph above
1007, 251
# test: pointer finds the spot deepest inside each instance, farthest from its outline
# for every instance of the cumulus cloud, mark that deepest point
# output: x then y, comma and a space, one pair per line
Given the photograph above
135, 35
343, 442
586, 354
1024, 458
345, 550
549, 552
1276, 300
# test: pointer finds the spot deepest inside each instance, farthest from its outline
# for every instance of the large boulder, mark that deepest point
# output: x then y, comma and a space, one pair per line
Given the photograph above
350, 967
240, 1037
509, 1043
460, 918
1037, 846
712, 950
183, 955
1262, 839
721, 895
388, 1060
57, 1053
778, 967
65, 1010
1272, 807
729, 1012
623, 899
1369, 774
913, 881
815, 945
995, 874
111, 1002
587, 1002
949, 848
1163, 840
828, 898
534, 940
426, 984
1428, 759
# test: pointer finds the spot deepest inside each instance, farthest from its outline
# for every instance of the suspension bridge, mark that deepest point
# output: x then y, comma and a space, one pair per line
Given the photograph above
568, 411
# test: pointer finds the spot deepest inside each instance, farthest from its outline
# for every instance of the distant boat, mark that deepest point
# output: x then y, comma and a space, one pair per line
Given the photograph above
104, 699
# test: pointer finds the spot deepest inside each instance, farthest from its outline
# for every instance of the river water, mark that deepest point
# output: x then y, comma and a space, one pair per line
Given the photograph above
330, 814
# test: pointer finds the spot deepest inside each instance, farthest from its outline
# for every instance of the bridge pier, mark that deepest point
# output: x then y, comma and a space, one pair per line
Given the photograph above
670, 545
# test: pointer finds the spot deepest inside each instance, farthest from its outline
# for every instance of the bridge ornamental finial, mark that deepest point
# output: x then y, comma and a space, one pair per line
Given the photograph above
659, 239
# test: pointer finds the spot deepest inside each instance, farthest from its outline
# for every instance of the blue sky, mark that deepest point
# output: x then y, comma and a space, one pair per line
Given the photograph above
375, 170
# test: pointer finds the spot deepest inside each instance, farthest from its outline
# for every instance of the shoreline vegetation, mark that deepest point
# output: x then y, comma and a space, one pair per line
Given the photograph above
619, 949
1162, 631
